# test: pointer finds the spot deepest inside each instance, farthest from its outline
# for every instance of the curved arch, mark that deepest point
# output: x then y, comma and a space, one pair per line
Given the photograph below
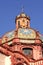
21, 56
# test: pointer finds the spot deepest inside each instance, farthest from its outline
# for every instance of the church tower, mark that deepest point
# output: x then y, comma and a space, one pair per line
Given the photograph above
22, 46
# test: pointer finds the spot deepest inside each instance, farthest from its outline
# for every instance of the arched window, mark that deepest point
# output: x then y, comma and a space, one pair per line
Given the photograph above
27, 24
18, 23
28, 52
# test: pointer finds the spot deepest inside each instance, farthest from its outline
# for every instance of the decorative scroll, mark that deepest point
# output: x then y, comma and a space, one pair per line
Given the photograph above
26, 33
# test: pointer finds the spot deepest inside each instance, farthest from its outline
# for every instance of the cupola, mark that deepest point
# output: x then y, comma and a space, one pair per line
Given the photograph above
22, 21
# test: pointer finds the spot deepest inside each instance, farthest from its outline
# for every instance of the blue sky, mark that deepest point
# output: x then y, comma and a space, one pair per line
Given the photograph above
9, 9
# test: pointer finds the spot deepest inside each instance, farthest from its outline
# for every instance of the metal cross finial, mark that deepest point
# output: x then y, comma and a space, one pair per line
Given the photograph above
23, 9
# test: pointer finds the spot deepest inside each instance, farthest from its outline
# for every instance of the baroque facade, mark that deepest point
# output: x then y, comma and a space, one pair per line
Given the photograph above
22, 46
